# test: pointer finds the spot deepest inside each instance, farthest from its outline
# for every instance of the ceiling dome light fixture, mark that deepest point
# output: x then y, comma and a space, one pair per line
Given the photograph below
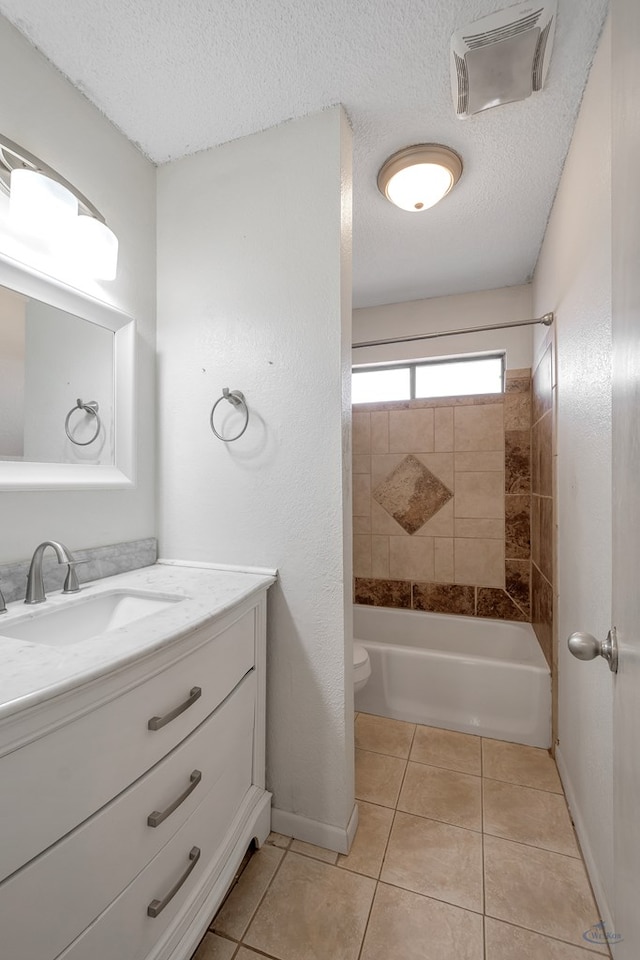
417, 177
46, 207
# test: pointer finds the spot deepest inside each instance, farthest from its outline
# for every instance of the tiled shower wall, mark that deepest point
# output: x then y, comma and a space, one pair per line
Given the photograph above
442, 500
542, 505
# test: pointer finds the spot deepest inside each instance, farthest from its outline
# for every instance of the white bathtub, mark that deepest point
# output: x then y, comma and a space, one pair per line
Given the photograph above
487, 677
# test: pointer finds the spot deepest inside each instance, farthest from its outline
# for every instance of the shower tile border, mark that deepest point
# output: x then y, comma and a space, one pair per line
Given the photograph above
459, 600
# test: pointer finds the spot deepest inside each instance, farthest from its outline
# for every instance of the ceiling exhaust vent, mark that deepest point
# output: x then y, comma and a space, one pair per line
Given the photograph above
502, 57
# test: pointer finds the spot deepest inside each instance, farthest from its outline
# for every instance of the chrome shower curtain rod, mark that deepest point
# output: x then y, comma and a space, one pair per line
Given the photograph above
546, 320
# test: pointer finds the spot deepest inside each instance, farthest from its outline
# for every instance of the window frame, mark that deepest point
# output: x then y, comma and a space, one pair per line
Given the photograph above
412, 365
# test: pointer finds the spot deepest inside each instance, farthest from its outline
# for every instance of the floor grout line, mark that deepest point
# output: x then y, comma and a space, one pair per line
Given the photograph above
366, 926
547, 936
431, 896
267, 888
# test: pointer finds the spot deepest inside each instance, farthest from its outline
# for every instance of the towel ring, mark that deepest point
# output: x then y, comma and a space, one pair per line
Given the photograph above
236, 399
91, 407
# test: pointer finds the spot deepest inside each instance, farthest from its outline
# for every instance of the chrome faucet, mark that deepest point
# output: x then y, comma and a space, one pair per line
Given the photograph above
35, 583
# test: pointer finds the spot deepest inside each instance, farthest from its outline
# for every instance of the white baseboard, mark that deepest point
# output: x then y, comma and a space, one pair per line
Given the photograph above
583, 837
314, 831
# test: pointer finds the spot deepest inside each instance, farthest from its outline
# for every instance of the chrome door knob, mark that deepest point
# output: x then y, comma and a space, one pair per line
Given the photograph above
584, 646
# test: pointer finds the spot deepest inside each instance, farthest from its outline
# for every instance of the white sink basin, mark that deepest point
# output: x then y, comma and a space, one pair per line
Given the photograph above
86, 618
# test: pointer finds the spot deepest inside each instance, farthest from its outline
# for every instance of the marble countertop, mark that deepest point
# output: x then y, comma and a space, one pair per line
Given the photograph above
31, 673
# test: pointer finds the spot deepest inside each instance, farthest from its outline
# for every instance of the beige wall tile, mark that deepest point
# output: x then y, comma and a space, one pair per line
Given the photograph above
479, 427
519, 373
542, 611
441, 525
479, 495
522, 385
411, 431
380, 432
490, 528
383, 523
361, 433
361, 525
480, 460
443, 559
479, 562
361, 463
382, 464
441, 464
380, 557
542, 386
443, 428
411, 558
542, 456
517, 411
361, 495
361, 556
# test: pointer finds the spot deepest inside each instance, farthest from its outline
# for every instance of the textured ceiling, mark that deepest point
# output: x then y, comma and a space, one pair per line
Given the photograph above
177, 77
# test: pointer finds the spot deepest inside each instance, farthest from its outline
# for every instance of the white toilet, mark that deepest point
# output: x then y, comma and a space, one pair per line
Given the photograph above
361, 666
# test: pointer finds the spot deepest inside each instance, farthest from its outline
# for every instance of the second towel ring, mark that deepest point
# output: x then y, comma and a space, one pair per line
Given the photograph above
236, 399
91, 407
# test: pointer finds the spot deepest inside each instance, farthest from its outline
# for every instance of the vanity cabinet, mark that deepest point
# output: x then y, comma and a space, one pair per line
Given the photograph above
133, 799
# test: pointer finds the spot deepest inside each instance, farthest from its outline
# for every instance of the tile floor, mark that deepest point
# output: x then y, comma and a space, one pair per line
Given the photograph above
465, 851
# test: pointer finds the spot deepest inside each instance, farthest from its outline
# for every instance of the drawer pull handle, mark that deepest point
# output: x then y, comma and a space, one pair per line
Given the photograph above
156, 907
157, 722
155, 819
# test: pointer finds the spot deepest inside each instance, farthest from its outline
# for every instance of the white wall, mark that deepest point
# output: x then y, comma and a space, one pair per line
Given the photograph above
43, 112
573, 278
12, 337
254, 292
448, 313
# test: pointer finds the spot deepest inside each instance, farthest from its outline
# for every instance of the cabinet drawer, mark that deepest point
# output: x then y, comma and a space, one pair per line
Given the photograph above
87, 762
125, 929
39, 916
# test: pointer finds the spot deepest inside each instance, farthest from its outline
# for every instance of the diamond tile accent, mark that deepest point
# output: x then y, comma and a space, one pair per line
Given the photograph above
412, 494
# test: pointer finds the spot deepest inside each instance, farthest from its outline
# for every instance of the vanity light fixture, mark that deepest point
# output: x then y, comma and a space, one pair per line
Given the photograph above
417, 177
43, 205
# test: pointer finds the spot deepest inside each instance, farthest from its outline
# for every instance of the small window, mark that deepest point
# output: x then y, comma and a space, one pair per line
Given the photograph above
431, 378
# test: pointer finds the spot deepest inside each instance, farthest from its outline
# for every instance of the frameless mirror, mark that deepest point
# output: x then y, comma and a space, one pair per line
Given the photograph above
66, 386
